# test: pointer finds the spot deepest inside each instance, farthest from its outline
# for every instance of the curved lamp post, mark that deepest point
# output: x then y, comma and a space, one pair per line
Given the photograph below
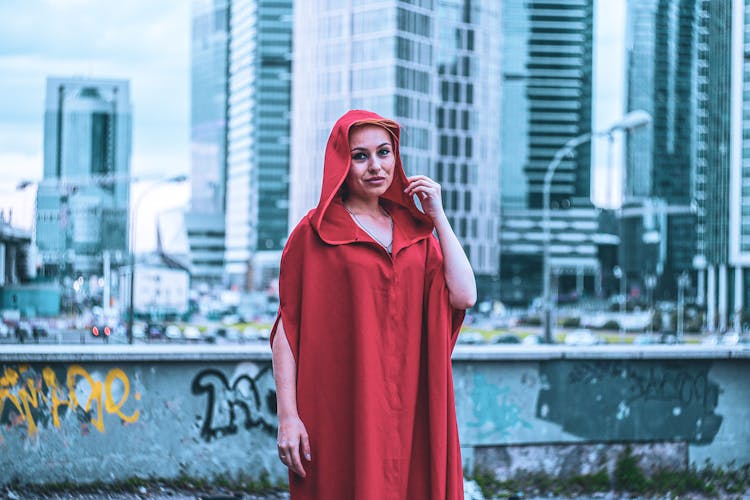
136, 206
634, 119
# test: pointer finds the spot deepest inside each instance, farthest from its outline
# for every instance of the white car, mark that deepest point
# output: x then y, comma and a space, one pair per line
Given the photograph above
581, 337
173, 332
139, 331
191, 333
470, 338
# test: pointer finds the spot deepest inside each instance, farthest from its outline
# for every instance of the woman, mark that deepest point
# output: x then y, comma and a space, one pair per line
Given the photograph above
370, 308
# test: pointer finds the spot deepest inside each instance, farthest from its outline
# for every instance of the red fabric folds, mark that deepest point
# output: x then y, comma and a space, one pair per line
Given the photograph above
372, 335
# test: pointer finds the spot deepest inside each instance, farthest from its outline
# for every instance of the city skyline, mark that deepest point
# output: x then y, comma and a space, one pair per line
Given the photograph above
149, 45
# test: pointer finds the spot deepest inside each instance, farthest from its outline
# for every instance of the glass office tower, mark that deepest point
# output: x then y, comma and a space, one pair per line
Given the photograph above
732, 291
428, 64
82, 201
658, 219
259, 88
240, 135
208, 136
547, 94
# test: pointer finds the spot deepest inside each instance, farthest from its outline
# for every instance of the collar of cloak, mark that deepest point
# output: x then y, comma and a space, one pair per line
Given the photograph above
332, 222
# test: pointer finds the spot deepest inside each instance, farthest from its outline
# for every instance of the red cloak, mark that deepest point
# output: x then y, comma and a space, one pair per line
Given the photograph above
372, 336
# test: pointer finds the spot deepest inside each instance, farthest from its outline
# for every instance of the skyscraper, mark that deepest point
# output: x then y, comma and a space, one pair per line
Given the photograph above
659, 234
208, 135
427, 64
738, 230
240, 134
82, 201
258, 129
722, 176
547, 93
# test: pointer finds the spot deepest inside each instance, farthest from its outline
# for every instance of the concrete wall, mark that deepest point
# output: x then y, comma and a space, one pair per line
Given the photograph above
85, 413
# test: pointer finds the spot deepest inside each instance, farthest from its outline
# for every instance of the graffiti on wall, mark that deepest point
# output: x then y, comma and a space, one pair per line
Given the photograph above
247, 402
623, 400
32, 398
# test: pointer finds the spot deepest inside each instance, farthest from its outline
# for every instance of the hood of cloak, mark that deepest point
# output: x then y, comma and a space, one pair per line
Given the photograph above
330, 219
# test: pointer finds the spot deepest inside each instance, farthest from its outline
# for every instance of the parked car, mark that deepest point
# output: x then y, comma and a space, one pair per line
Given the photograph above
506, 339
531, 339
191, 333
154, 331
139, 331
173, 332
472, 338
101, 331
229, 334
581, 337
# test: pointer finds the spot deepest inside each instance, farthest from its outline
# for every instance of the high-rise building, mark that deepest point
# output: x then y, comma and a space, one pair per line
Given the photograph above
658, 225
727, 200
208, 136
82, 201
428, 64
258, 128
241, 98
547, 95
722, 176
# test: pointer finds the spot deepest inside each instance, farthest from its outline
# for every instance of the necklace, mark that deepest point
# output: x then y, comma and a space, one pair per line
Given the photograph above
389, 246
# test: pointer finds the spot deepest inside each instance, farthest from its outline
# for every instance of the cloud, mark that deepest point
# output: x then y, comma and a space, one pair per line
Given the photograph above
142, 41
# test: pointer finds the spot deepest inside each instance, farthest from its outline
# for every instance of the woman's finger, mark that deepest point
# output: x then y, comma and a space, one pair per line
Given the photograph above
425, 191
422, 183
306, 447
418, 177
296, 463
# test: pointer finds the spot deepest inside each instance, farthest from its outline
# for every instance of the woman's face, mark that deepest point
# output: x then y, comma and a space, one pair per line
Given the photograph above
373, 161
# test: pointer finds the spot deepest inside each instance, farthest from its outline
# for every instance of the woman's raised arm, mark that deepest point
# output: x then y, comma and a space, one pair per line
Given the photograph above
459, 277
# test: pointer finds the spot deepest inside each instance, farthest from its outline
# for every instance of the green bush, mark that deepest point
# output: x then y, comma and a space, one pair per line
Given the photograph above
628, 475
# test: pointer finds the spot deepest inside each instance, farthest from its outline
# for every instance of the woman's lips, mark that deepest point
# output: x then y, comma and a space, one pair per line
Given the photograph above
375, 180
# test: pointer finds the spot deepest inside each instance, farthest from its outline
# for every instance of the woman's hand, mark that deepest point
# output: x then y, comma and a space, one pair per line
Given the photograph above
293, 443
459, 277
428, 192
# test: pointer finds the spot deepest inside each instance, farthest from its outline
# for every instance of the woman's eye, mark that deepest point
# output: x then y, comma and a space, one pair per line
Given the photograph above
359, 156
384, 152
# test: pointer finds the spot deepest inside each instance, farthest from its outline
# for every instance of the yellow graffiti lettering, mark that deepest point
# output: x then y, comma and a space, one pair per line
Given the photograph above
110, 405
29, 398
9, 378
5, 394
32, 395
94, 396
57, 397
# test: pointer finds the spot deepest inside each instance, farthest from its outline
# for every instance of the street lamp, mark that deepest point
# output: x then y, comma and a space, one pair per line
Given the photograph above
134, 218
630, 121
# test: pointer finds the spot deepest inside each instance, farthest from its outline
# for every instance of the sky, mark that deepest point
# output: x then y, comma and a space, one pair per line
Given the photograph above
148, 43
144, 41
